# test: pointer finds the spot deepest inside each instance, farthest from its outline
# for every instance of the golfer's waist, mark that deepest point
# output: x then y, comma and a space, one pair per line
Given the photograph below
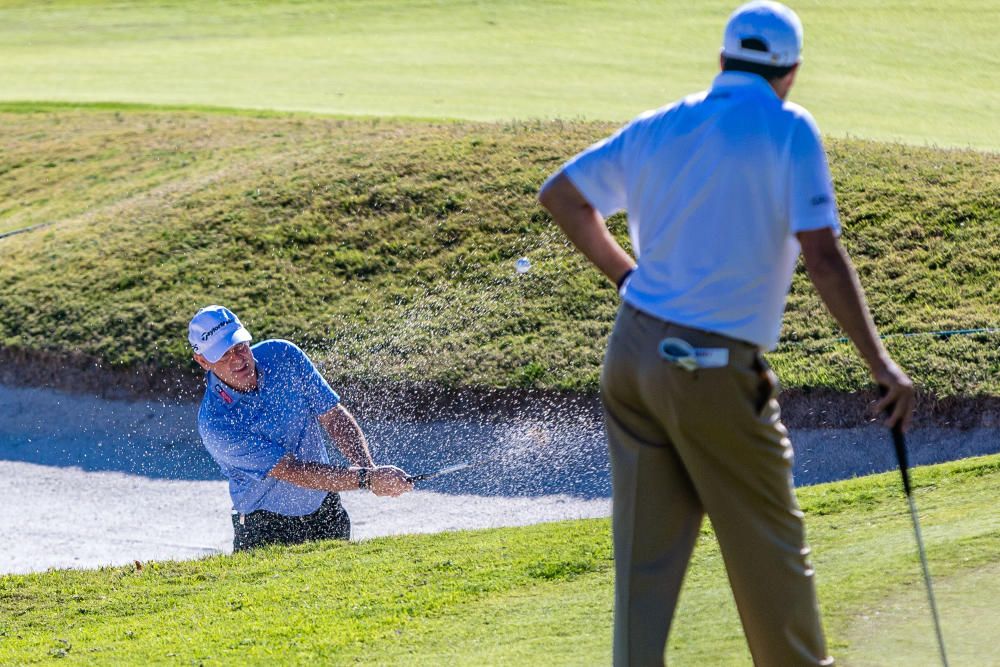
739, 352
289, 512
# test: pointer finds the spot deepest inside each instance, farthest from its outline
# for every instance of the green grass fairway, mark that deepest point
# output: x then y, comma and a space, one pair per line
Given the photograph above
526, 596
917, 72
902, 626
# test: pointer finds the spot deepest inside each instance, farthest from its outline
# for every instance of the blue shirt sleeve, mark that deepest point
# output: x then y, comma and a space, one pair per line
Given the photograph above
319, 395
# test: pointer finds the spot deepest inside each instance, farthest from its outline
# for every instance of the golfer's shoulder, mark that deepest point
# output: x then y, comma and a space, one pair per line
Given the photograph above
212, 419
278, 350
654, 120
283, 360
685, 104
799, 117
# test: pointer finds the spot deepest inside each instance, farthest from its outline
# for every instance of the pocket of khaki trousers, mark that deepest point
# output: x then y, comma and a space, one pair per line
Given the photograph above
767, 384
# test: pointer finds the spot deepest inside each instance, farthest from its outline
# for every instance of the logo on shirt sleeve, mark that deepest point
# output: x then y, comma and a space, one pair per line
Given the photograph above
819, 200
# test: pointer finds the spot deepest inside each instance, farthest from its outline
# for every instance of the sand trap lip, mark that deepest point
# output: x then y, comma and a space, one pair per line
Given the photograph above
65, 517
92, 482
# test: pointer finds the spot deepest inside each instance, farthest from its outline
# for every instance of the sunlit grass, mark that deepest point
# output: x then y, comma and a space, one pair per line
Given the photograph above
387, 249
912, 72
508, 596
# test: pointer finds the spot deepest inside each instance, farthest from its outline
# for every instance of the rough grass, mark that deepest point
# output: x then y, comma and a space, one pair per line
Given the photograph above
508, 596
386, 248
914, 72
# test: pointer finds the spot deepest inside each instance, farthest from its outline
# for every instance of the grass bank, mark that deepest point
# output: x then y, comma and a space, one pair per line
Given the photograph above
387, 249
509, 596
913, 73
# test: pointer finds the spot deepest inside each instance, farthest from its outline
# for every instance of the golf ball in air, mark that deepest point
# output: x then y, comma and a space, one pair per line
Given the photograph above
523, 265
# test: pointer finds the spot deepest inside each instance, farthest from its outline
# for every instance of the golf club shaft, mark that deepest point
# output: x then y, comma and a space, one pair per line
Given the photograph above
899, 443
444, 471
927, 580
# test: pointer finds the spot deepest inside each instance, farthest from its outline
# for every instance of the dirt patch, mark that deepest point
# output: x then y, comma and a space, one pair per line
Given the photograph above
801, 408
78, 373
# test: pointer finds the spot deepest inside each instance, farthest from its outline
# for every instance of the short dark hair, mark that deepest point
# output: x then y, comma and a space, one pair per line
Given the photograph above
769, 72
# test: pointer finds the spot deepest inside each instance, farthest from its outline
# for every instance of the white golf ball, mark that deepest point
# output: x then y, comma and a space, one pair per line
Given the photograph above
523, 265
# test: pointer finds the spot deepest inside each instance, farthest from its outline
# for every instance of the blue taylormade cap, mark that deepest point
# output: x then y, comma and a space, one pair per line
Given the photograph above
215, 329
763, 32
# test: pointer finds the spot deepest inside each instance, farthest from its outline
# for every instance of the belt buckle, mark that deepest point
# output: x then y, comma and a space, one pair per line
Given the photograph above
680, 353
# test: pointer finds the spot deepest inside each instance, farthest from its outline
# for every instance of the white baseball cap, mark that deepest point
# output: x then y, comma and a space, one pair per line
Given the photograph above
763, 32
215, 329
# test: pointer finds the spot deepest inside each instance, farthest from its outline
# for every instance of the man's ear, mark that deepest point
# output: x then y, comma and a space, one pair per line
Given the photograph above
784, 84
202, 361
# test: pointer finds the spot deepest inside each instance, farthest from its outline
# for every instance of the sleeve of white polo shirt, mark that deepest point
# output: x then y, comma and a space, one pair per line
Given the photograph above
598, 173
812, 204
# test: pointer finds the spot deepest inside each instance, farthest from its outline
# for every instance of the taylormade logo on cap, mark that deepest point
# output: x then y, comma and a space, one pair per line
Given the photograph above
215, 329
763, 32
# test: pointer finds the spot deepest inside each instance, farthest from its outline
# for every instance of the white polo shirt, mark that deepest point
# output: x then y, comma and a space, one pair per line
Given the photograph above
715, 186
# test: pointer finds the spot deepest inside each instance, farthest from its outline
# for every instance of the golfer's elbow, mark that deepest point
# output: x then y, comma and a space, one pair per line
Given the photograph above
287, 469
547, 195
823, 255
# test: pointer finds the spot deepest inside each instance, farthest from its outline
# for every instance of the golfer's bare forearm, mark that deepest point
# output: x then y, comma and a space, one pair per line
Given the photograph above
347, 435
584, 227
355, 448
319, 476
836, 281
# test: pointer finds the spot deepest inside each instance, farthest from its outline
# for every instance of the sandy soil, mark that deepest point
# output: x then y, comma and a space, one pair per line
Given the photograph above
89, 482
65, 517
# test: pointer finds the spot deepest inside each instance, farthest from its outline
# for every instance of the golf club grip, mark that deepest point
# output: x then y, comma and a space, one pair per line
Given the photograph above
899, 443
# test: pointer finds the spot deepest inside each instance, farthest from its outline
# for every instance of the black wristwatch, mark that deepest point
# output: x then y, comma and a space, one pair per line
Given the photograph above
620, 283
365, 479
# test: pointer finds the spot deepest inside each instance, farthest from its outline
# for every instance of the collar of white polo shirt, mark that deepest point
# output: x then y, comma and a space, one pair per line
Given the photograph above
741, 80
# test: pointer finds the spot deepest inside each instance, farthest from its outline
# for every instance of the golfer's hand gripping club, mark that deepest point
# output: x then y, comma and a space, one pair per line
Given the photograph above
389, 481
898, 396
898, 441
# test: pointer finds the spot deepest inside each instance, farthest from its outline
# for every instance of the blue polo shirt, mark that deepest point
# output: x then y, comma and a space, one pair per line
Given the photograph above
247, 433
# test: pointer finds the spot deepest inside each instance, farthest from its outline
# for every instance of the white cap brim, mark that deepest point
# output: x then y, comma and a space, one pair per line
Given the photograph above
225, 342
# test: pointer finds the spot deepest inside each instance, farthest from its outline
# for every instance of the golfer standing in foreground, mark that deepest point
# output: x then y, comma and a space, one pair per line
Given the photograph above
722, 190
262, 419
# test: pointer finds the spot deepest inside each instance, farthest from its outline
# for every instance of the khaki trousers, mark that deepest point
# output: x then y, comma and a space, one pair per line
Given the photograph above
686, 443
